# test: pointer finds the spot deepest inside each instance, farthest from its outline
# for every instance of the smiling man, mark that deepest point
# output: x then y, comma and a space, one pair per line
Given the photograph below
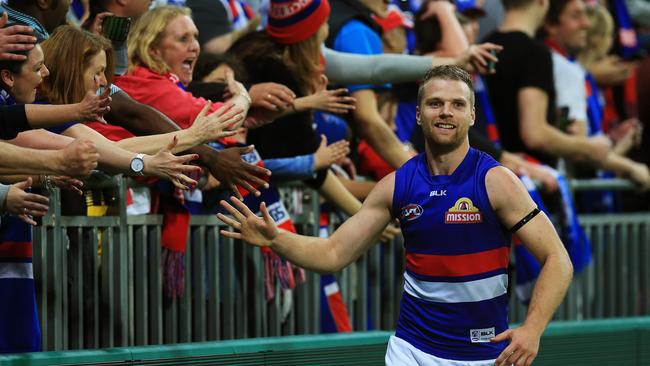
453, 203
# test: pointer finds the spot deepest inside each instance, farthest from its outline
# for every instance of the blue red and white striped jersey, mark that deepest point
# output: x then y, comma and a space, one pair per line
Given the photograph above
19, 327
457, 252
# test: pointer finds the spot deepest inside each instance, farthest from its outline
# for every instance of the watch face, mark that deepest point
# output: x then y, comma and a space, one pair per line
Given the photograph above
137, 165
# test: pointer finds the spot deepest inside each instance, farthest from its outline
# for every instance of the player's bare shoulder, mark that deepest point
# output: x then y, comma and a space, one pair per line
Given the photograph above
382, 194
505, 189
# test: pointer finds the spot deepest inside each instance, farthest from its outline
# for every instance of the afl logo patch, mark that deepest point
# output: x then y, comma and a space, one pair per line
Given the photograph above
411, 212
463, 212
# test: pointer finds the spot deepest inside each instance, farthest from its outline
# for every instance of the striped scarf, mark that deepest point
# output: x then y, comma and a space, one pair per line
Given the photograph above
276, 269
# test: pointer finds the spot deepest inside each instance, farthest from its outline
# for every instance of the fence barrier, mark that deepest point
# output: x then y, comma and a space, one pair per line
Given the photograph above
620, 342
87, 300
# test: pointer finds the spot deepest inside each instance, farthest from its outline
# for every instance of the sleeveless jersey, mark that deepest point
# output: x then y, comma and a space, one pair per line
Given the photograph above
455, 284
19, 326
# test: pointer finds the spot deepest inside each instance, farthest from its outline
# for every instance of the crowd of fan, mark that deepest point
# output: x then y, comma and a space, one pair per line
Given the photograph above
204, 99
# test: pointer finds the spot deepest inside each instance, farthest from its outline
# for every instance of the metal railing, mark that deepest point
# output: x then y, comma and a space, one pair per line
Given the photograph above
115, 299
585, 343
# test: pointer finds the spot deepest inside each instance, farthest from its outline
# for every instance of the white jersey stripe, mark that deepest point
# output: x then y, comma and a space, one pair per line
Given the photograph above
16, 270
453, 292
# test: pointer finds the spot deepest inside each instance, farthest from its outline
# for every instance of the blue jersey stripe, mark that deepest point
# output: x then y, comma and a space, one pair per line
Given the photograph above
443, 329
475, 277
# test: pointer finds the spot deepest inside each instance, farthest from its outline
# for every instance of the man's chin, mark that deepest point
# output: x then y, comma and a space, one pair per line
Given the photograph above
443, 147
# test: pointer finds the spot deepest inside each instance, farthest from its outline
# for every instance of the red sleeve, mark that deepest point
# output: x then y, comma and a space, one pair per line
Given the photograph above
111, 132
371, 164
161, 93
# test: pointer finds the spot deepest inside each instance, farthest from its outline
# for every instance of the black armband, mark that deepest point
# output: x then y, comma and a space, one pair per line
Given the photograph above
525, 220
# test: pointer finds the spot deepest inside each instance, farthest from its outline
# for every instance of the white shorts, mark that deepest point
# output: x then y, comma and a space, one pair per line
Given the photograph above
400, 352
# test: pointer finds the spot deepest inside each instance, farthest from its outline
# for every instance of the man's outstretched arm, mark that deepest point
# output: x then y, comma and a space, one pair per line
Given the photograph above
512, 203
321, 255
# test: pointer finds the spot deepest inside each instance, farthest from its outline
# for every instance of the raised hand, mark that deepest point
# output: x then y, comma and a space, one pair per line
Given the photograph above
333, 101
523, 347
166, 166
477, 56
65, 182
327, 155
14, 38
98, 23
612, 70
77, 159
271, 96
25, 205
252, 229
221, 123
231, 170
94, 107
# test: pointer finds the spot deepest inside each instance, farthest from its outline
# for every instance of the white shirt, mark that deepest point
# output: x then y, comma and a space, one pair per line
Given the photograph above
569, 81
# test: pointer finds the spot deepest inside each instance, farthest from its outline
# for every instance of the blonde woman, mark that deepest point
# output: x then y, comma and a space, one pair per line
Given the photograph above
163, 49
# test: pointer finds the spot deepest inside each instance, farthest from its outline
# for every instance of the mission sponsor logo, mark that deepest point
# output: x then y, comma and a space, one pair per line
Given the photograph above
411, 212
463, 212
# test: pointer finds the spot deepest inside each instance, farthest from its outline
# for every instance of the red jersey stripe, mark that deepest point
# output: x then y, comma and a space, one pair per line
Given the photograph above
458, 265
16, 249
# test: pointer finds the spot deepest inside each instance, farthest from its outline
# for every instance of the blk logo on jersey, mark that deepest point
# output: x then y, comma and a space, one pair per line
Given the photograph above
411, 212
463, 212
482, 335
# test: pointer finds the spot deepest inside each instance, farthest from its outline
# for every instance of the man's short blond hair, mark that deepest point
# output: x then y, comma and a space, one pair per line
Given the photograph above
447, 72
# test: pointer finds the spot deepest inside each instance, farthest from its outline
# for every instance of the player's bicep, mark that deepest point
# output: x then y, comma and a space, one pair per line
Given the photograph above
520, 214
539, 237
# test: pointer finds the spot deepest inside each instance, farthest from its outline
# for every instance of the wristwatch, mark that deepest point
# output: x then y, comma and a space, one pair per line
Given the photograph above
137, 164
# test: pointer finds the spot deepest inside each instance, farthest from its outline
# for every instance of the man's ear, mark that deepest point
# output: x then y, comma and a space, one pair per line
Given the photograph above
7, 78
43, 4
417, 115
122, 2
473, 116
